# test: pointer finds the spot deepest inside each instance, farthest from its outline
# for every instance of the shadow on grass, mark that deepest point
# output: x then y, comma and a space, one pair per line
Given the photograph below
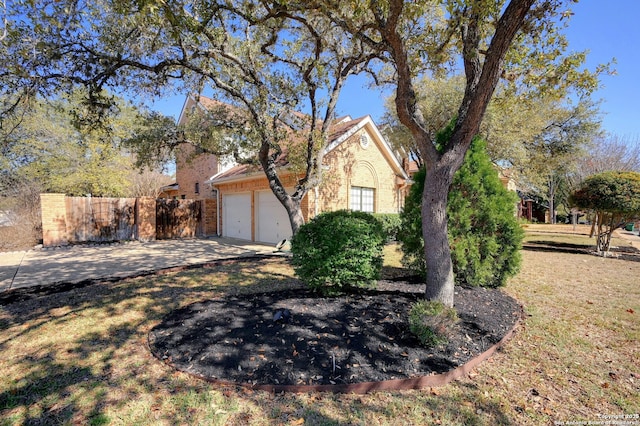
543, 245
623, 252
80, 355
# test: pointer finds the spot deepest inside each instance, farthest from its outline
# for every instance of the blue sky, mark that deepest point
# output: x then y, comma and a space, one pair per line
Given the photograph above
608, 29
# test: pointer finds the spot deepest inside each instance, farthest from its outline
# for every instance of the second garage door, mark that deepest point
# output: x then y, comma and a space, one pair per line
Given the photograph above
236, 216
273, 223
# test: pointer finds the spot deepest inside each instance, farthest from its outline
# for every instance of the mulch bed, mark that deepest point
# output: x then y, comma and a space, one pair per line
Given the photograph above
354, 338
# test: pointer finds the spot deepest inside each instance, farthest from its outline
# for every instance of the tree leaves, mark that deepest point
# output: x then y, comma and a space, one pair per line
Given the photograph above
53, 148
614, 197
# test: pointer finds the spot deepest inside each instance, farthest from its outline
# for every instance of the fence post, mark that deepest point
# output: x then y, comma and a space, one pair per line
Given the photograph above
146, 218
54, 222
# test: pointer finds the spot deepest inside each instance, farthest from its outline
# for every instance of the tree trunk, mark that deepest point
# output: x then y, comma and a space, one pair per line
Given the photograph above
290, 203
296, 218
440, 282
482, 78
552, 206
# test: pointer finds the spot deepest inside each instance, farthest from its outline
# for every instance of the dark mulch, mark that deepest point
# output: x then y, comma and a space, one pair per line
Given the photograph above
354, 338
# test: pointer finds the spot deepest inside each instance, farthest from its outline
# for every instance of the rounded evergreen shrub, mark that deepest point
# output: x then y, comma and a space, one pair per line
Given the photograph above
339, 250
390, 224
484, 234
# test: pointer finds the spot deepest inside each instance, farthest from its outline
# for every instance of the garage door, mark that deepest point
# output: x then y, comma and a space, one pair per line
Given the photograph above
236, 216
273, 223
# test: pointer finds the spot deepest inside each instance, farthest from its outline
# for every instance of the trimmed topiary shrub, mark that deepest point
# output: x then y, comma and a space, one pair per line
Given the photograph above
484, 234
614, 197
432, 322
390, 224
339, 250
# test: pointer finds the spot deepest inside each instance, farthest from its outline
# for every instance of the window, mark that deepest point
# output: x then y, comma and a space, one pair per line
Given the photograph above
197, 187
362, 199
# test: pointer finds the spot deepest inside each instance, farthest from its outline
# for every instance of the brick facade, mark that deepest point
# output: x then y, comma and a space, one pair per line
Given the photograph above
351, 162
146, 218
194, 170
209, 217
54, 219
354, 164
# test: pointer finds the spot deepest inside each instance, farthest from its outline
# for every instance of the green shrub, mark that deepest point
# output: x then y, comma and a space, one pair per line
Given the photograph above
390, 224
339, 250
484, 234
432, 322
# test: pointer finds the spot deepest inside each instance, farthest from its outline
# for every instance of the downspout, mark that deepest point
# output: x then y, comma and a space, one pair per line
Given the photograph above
218, 233
399, 189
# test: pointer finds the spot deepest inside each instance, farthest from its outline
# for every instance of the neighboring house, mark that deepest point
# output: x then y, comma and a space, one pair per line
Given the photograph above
360, 172
532, 208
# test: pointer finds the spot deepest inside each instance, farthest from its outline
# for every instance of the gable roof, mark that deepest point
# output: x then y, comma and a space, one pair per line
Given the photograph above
342, 129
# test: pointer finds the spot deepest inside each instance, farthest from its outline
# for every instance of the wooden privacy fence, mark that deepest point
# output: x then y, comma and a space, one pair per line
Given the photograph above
178, 218
100, 219
69, 220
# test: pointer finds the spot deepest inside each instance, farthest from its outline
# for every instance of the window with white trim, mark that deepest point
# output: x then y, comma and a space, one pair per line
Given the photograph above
362, 199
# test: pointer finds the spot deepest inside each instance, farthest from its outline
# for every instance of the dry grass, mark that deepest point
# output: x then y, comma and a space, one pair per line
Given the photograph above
18, 237
82, 357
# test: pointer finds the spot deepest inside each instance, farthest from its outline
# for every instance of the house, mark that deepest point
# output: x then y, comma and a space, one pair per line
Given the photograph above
360, 172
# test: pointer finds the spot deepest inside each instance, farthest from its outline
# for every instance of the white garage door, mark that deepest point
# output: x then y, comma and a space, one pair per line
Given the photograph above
273, 223
236, 216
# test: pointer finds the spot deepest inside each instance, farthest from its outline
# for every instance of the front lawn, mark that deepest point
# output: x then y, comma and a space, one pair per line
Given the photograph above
82, 356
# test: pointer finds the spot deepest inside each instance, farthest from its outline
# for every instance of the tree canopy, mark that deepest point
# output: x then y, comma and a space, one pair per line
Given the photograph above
614, 197
607, 153
540, 139
518, 41
49, 150
274, 56
265, 59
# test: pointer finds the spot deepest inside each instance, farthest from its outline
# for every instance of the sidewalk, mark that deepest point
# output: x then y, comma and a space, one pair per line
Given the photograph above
632, 237
41, 267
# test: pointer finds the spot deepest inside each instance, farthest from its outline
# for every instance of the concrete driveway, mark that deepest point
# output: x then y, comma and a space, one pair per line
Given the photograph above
40, 267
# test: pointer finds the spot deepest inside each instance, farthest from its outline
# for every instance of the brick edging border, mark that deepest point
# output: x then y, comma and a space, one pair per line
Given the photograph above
413, 383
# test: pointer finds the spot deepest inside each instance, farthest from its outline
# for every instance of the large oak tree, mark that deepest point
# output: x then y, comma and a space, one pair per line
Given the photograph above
490, 39
274, 56
265, 61
539, 139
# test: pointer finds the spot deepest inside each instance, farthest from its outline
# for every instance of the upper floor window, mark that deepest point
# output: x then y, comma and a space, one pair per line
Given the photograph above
362, 199
197, 187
